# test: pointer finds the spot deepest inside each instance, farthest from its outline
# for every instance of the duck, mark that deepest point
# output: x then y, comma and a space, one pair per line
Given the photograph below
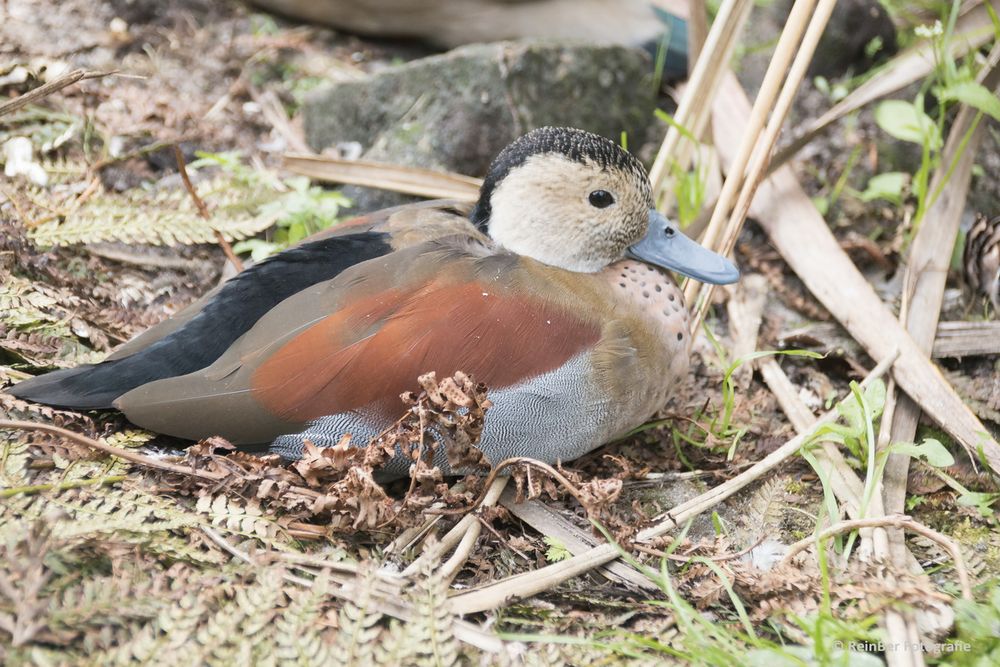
648, 24
554, 290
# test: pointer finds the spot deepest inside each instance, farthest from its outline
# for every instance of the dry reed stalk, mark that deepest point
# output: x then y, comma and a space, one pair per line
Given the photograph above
791, 59
531, 583
408, 180
704, 81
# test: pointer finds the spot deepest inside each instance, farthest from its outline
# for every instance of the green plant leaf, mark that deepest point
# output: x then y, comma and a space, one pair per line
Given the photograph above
973, 94
930, 451
888, 186
875, 397
259, 249
905, 121
981, 501
557, 551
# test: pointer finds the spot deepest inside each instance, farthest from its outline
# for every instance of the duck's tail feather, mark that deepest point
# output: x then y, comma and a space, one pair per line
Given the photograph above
90, 387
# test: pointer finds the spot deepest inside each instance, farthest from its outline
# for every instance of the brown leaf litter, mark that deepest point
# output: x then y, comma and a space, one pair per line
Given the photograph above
335, 489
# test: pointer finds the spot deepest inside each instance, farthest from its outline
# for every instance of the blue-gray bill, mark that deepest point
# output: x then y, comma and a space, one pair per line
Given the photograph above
665, 246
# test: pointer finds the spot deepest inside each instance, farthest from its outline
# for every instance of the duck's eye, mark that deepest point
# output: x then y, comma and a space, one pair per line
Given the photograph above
669, 231
601, 199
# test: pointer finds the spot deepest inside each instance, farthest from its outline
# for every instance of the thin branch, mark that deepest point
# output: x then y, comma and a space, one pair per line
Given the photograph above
760, 139
688, 558
895, 521
500, 467
203, 209
451, 566
133, 457
47, 89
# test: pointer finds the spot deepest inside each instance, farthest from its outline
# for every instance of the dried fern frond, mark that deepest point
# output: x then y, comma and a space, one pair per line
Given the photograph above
241, 632
395, 647
173, 628
102, 608
764, 508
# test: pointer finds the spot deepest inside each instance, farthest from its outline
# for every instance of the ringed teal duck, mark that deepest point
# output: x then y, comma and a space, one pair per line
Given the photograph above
554, 292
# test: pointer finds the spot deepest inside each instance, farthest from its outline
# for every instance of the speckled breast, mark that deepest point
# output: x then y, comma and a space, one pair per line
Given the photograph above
654, 296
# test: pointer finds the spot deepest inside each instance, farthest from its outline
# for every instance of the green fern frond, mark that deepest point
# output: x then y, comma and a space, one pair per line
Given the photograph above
434, 624
359, 627
47, 129
241, 632
102, 607
163, 217
239, 516
35, 323
130, 516
129, 438
63, 169
127, 510
170, 635
14, 458
395, 647
299, 629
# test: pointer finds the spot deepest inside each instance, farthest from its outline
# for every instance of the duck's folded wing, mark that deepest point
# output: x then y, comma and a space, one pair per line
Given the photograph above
308, 262
198, 335
359, 341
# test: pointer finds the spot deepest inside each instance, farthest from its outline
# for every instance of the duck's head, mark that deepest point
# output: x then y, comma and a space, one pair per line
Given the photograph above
578, 201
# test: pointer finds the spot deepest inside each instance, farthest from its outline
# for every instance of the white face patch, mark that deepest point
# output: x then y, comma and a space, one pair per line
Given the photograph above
542, 209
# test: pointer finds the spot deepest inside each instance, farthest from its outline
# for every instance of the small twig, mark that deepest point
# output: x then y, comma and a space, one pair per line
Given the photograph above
203, 209
503, 540
451, 566
51, 87
133, 457
506, 463
459, 533
301, 530
306, 560
895, 521
182, 168
61, 486
92, 187
227, 547
687, 558
138, 152
274, 112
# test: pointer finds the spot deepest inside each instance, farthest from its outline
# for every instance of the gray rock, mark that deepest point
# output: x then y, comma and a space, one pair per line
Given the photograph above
457, 110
